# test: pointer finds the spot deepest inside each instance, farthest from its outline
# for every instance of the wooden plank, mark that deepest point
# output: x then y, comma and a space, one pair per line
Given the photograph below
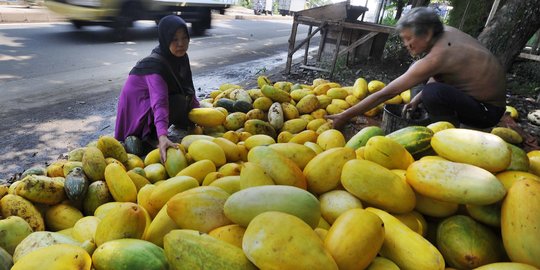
307, 38
315, 22
306, 52
322, 44
349, 44
356, 25
292, 40
372, 27
536, 44
314, 68
363, 51
333, 11
358, 42
530, 56
336, 53
336, 11
377, 47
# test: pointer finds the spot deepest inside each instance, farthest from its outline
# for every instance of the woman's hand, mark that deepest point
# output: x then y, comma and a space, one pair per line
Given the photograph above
163, 145
338, 120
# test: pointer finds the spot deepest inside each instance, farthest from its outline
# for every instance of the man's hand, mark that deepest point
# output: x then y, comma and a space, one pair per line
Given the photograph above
411, 106
338, 120
163, 145
408, 109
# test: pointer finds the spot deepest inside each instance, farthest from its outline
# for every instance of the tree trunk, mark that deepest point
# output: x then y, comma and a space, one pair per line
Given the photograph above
511, 28
400, 5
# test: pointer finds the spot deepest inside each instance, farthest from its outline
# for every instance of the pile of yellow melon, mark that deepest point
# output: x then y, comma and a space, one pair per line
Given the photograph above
282, 110
273, 195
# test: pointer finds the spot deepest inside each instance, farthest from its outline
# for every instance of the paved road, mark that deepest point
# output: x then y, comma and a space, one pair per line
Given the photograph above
58, 85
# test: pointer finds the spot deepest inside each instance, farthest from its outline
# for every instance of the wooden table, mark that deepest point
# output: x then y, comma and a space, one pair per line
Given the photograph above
336, 25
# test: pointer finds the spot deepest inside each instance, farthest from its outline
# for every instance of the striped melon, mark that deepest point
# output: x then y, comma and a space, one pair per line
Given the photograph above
414, 138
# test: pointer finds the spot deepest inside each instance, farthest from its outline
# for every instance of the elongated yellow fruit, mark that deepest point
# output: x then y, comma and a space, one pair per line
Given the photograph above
14, 205
41, 189
206, 117
481, 149
406, 248
378, 186
58, 257
520, 219
126, 220
455, 182
280, 168
190, 249
160, 226
120, 185
355, 239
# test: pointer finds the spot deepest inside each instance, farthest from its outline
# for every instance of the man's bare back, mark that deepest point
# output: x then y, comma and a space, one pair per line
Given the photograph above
468, 66
466, 83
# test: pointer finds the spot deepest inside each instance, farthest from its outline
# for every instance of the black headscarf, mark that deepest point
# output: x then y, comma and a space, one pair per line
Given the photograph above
167, 28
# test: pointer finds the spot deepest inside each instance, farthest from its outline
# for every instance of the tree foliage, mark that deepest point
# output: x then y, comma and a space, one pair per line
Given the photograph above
317, 3
472, 22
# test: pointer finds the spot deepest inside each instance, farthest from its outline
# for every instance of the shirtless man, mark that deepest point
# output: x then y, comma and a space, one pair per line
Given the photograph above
465, 82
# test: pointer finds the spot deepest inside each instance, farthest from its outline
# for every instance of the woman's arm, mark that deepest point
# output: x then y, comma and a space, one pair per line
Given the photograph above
159, 101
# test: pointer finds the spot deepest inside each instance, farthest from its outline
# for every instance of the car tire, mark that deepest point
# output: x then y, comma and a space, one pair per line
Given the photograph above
128, 14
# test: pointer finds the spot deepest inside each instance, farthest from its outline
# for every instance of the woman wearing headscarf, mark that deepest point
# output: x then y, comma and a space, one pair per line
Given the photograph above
159, 90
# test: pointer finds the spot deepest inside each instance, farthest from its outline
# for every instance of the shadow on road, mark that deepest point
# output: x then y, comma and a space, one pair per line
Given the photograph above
40, 59
39, 136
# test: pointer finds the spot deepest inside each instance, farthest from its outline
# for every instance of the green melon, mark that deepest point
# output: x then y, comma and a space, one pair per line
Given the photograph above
360, 139
97, 194
256, 126
176, 161
134, 146
189, 249
127, 254
6, 262
226, 103
415, 139
466, 244
76, 185
37, 170
519, 160
242, 206
242, 106
488, 214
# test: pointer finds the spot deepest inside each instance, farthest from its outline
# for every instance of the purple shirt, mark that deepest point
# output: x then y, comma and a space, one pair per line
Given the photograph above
143, 107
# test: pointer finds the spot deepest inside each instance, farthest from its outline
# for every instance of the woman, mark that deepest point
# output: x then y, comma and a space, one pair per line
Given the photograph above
465, 82
159, 90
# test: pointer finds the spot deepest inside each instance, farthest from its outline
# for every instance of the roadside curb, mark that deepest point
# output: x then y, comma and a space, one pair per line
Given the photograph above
251, 17
23, 14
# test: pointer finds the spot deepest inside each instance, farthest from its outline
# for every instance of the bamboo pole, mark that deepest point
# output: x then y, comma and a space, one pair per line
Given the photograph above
464, 15
494, 8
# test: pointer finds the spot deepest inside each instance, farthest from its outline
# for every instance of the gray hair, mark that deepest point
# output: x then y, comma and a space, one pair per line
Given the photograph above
420, 20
